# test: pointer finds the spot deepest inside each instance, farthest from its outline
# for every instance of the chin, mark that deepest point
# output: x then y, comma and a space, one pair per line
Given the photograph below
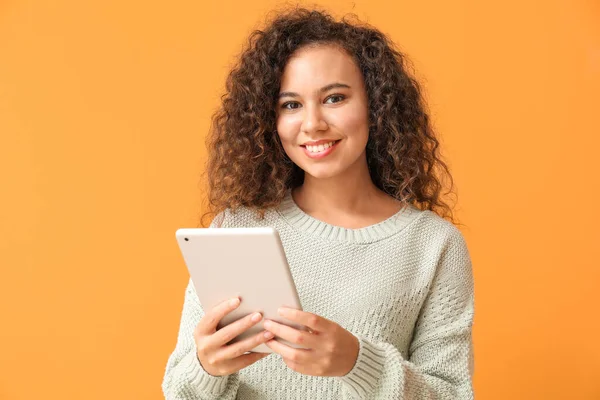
320, 176
321, 173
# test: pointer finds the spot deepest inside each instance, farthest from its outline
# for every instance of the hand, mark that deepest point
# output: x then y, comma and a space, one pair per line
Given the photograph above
218, 359
329, 349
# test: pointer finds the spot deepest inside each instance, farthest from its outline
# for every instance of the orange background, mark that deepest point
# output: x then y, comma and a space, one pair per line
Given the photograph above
104, 107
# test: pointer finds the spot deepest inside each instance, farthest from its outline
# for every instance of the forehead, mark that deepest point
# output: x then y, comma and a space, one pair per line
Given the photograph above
312, 67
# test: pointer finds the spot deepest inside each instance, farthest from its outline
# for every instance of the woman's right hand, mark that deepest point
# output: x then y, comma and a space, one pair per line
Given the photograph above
215, 357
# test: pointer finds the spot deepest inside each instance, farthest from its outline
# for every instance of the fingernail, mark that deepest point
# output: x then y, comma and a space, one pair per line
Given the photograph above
234, 302
269, 335
256, 317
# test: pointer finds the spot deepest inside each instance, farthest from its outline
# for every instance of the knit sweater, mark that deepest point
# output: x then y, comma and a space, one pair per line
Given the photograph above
404, 287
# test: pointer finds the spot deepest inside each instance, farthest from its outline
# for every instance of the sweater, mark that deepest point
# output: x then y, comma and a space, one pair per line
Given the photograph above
404, 287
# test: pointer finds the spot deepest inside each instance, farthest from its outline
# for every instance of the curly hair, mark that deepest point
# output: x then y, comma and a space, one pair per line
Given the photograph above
247, 165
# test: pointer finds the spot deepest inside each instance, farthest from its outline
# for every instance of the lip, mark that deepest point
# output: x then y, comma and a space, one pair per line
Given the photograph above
318, 142
322, 154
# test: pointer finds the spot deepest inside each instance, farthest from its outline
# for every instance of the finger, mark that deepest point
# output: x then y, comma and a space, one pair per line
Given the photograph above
243, 361
238, 349
289, 353
231, 331
208, 324
314, 322
290, 334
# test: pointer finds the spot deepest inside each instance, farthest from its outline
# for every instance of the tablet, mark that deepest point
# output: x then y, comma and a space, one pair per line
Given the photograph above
245, 262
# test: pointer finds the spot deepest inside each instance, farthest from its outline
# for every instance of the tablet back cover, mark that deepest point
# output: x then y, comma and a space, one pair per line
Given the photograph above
245, 262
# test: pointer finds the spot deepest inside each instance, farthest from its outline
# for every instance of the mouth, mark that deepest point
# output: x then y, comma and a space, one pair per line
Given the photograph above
321, 150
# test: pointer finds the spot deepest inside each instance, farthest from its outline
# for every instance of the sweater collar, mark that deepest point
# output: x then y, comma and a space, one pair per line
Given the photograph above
297, 218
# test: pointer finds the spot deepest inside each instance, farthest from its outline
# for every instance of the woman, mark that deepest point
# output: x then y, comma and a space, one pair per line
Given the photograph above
323, 135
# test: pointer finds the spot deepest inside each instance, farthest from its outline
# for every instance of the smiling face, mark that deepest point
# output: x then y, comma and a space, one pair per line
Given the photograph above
322, 113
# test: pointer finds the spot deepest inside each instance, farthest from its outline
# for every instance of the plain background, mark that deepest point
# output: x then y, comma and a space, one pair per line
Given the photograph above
104, 107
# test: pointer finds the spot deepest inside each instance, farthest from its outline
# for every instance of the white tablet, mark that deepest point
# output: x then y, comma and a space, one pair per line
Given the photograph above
245, 262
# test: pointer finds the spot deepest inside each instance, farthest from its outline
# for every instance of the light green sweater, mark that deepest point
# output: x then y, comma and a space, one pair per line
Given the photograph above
403, 287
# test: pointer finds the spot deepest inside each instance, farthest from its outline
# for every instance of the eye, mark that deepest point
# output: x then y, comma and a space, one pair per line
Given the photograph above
285, 105
335, 96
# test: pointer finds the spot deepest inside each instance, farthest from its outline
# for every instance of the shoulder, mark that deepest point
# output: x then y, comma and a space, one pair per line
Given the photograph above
438, 236
432, 223
239, 218
451, 250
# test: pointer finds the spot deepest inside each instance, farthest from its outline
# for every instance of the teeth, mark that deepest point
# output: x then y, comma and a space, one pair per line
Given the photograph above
319, 148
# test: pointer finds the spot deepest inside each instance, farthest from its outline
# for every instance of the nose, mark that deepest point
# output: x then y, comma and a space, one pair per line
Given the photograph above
313, 119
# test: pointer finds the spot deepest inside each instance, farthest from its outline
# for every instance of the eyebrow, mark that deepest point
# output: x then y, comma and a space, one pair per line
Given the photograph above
323, 89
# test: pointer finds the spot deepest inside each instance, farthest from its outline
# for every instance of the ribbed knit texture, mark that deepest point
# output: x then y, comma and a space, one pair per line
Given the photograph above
403, 287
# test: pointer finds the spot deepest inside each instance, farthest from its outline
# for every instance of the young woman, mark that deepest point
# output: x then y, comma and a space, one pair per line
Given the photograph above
323, 135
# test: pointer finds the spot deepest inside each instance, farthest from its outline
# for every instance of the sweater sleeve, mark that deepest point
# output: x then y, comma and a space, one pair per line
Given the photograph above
440, 362
184, 377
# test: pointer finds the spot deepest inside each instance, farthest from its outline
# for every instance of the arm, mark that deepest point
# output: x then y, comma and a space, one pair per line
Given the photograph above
441, 362
184, 377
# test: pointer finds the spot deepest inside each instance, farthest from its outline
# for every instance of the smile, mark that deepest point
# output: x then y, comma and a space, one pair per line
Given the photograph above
321, 150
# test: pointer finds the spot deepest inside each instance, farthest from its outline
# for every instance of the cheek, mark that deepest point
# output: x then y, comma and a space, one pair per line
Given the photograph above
285, 138
353, 122
287, 129
360, 116
287, 146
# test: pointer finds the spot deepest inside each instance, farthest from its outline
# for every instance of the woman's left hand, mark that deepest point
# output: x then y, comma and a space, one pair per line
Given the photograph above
329, 350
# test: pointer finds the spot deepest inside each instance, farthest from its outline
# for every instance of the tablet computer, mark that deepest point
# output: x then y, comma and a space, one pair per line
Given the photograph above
245, 262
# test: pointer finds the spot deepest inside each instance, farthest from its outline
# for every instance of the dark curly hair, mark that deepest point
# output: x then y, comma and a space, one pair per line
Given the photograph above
247, 165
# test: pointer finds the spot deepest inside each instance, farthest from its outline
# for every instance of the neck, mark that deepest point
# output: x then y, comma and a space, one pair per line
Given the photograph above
352, 192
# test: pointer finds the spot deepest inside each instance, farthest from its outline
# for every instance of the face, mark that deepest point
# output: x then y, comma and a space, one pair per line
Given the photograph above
322, 113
